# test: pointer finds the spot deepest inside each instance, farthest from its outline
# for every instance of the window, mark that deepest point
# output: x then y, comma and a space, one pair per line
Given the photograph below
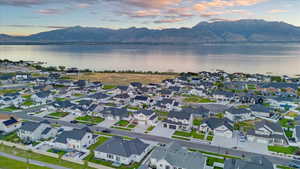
110, 156
167, 167
118, 158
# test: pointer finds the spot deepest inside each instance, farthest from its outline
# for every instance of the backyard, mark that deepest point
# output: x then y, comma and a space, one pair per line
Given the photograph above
58, 114
197, 99
90, 119
7, 163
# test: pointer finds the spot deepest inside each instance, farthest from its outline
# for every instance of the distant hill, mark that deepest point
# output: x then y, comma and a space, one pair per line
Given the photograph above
204, 32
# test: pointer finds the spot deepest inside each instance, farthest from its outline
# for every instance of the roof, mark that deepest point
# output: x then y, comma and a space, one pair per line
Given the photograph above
273, 126
119, 146
145, 112
179, 156
256, 162
260, 108
10, 121
29, 126
43, 94
297, 132
76, 134
100, 96
179, 115
217, 122
46, 131
122, 112
143, 98
234, 110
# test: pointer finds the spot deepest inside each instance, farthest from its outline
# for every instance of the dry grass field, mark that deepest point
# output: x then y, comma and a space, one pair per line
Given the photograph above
122, 78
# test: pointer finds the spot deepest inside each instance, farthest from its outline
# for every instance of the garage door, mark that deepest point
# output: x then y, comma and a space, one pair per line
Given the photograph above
165, 125
172, 126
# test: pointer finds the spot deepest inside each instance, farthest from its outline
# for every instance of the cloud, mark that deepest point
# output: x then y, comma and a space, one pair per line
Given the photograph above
207, 5
183, 12
83, 5
50, 11
28, 3
173, 20
151, 3
277, 11
144, 13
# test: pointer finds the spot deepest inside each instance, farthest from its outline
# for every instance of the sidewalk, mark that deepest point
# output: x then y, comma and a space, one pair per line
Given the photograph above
31, 161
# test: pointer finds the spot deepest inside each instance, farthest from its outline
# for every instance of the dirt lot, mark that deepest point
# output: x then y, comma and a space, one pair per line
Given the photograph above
122, 78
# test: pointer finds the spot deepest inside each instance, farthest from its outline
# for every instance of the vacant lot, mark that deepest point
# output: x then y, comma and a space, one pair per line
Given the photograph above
122, 78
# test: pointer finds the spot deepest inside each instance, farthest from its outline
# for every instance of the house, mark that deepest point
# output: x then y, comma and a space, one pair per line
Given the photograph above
121, 151
223, 96
78, 139
174, 156
9, 124
141, 100
113, 113
42, 97
261, 111
255, 162
221, 127
178, 120
135, 85
296, 134
267, 132
166, 104
238, 115
32, 131
145, 117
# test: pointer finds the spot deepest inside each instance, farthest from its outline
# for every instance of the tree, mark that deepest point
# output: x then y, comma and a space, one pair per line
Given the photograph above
62, 68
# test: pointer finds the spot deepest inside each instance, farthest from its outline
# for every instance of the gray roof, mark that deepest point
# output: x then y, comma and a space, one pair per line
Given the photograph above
145, 112
179, 156
31, 126
256, 162
273, 126
119, 146
217, 122
121, 112
297, 130
179, 115
76, 134
260, 108
234, 110
46, 131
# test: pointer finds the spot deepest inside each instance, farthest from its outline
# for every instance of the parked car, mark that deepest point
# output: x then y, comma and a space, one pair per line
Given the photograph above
294, 164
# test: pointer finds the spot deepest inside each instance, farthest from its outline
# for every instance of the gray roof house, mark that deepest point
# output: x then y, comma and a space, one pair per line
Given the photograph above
256, 162
235, 114
75, 139
32, 131
267, 132
174, 155
296, 134
122, 151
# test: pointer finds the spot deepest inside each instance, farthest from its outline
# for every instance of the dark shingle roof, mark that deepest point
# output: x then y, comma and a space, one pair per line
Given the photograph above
257, 162
121, 147
76, 134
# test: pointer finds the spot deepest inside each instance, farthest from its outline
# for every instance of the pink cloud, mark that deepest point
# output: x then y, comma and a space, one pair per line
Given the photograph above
173, 20
49, 11
277, 11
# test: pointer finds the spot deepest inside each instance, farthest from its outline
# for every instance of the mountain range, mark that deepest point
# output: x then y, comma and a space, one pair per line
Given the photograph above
204, 32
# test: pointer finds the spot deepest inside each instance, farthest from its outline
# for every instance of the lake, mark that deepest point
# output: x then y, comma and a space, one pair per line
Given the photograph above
278, 58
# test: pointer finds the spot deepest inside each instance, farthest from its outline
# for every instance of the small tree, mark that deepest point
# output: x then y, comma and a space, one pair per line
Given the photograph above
62, 68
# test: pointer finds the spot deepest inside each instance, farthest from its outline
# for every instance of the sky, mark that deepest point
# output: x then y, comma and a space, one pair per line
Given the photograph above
25, 17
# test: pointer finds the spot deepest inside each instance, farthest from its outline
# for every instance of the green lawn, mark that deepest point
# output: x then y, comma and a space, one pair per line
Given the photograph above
182, 134
6, 91
28, 102
210, 138
39, 157
78, 95
122, 123
7, 163
197, 99
197, 135
108, 87
59, 114
287, 123
28, 96
211, 160
131, 126
197, 122
121, 128
150, 128
10, 108
11, 137
56, 151
289, 133
285, 150
60, 99
90, 119
284, 167
100, 141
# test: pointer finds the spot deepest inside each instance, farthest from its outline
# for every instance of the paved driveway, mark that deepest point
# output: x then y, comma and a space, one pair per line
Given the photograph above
107, 123
159, 130
140, 128
243, 146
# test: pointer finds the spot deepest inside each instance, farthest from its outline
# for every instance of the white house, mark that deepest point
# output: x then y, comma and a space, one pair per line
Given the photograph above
173, 156
145, 117
221, 127
119, 150
33, 131
9, 124
237, 115
178, 120
42, 97
78, 139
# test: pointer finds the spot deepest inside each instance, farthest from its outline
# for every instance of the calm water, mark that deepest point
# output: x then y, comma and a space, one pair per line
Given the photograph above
253, 58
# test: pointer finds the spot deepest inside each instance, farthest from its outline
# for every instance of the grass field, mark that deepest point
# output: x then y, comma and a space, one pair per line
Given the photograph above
59, 114
7, 163
39, 157
90, 119
122, 78
197, 99
100, 141
285, 150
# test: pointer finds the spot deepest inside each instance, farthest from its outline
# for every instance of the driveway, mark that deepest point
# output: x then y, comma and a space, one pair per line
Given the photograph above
243, 146
107, 123
159, 130
140, 128
69, 117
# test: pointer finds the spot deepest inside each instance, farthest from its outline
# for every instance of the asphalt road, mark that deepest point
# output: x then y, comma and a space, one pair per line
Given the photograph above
194, 145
